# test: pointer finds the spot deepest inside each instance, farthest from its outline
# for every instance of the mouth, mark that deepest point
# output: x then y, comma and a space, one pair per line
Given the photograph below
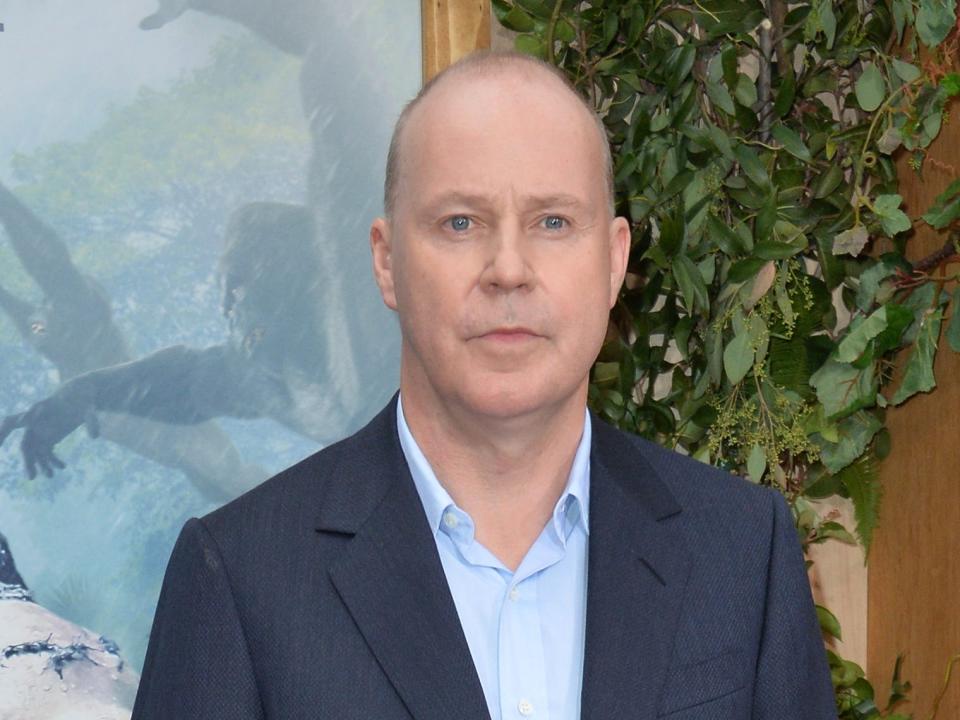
509, 335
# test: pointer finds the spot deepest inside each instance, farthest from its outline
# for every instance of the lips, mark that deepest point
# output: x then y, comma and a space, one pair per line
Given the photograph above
509, 334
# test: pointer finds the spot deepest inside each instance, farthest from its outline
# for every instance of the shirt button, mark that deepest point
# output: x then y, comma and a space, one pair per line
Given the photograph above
450, 520
514, 594
525, 707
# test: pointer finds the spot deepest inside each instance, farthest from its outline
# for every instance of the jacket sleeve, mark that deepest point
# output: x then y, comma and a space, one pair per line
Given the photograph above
198, 663
792, 676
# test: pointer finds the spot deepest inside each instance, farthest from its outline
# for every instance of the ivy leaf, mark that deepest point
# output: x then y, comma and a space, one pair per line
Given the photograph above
860, 335
714, 348
772, 250
821, 18
756, 463
744, 269
745, 91
610, 24
870, 88
836, 531
842, 388
828, 22
677, 65
537, 7
785, 94
945, 208
720, 96
918, 376
855, 433
531, 45
606, 373
902, 13
817, 422
721, 141
890, 140
791, 142
565, 32
692, 286
953, 328
892, 218
828, 622
725, 238
931, 126
728, 63
935, 19
517, 20
923, 298
681, 335
860, 480
751, 165
870, 280
851, 242
828, 181
906, 71
766, 219
738, 357
899, 319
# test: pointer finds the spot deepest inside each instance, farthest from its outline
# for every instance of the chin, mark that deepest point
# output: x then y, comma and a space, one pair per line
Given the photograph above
514, 399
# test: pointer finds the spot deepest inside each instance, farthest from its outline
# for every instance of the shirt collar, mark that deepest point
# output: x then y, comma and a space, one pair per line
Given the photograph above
571, 509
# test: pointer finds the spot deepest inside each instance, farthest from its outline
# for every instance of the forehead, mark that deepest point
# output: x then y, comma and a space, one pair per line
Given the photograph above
520, 133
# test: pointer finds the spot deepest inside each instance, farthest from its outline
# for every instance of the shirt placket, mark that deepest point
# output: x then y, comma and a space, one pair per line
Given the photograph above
522, 665
522, 671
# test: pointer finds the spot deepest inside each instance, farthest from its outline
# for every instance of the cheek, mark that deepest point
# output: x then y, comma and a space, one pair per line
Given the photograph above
427, 300
583, 305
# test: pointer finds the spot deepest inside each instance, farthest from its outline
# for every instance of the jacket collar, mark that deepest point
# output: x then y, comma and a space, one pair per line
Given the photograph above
392, 582
637, 573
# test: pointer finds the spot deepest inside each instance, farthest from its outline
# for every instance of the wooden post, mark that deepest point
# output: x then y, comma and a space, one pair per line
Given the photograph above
452, 29
914, 581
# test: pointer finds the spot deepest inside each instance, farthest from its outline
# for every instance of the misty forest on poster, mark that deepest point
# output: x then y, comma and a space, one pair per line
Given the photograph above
186, 301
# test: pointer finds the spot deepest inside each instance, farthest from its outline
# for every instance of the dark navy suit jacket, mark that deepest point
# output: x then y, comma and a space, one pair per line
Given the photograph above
320, 594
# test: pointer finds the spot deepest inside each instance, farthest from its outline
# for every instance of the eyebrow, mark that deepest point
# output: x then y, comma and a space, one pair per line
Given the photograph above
457, 198
534, 202
560, 201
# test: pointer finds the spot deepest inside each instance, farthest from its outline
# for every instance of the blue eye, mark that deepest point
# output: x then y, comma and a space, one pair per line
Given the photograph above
554, 222
459, 223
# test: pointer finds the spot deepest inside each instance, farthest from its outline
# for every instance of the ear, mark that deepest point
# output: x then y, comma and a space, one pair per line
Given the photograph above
381, 247
619, 254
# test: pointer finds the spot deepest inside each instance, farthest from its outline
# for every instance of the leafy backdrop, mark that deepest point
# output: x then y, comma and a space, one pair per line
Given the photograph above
768, 300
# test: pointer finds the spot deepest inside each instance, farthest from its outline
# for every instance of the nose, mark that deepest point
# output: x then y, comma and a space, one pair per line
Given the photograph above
508, 265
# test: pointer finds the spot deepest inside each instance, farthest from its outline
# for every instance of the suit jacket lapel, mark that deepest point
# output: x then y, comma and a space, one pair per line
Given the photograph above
391, 579
637, 572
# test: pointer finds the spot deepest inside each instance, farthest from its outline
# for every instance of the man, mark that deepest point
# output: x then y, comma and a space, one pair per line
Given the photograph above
484, 548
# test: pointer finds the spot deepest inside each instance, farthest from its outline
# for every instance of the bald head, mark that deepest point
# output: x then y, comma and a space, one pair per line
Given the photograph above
487, 65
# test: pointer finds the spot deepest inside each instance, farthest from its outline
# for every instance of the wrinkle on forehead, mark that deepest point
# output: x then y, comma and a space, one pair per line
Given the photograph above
526, 202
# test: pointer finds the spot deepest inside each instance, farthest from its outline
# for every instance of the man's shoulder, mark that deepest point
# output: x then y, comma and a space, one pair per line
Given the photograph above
692, 483
294, 497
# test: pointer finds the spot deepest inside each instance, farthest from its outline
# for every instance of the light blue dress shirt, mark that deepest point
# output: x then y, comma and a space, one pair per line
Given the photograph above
525, 629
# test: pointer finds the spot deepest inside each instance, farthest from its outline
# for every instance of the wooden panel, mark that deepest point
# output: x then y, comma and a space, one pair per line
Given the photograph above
914, 569
452, 29
838, 578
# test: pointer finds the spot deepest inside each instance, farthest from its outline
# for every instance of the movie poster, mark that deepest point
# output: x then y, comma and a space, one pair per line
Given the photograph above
186, 301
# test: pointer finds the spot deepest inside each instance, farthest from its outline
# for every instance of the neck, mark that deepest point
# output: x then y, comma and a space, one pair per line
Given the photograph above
506, 473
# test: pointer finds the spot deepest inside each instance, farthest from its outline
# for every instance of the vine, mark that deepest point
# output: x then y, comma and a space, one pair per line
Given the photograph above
760, 325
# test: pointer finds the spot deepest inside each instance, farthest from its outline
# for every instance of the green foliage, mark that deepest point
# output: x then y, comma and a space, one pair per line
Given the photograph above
758, 329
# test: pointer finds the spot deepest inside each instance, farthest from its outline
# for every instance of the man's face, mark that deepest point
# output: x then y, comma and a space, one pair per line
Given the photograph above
501, 259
